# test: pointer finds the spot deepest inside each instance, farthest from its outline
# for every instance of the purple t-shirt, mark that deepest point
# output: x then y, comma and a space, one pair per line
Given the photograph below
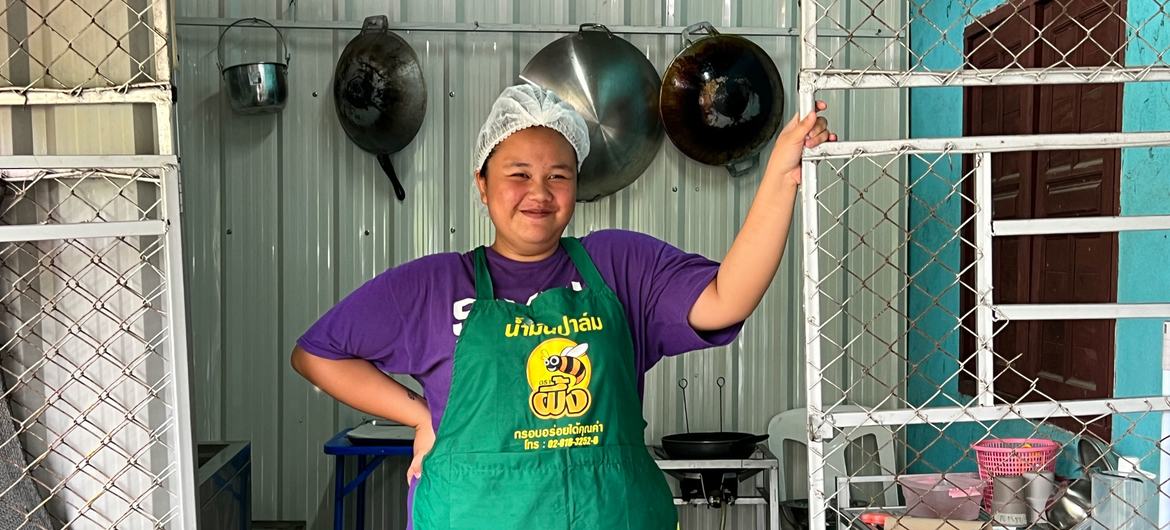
406, 319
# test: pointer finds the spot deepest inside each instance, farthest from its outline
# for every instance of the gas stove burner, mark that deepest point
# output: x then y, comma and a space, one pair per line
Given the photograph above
715, 487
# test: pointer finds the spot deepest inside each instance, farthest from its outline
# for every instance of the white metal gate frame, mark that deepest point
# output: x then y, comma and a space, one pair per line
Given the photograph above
179, 478
822, 422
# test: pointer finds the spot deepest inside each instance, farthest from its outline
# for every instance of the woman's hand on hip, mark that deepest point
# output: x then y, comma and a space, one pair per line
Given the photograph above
424, 440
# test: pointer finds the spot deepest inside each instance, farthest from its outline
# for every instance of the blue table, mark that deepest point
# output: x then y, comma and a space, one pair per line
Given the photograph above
369, 457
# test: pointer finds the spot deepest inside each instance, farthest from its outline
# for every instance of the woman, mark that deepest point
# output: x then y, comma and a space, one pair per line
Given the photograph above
532, 352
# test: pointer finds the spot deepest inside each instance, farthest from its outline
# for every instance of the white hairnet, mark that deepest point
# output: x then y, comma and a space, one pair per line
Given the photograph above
523, 106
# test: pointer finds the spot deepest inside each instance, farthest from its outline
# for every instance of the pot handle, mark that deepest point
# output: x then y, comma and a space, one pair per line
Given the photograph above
742, 167
253, 21
756, 438
695, 28
594, 26
375, 23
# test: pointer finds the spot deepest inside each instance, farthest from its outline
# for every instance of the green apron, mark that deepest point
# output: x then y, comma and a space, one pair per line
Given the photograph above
544, 427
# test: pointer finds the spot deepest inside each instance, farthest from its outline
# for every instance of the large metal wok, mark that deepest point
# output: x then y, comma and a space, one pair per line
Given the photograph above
615, 88
380, 94
722, 100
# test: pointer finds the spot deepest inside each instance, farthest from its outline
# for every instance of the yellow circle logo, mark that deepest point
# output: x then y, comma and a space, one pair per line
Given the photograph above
559, 356
559, 371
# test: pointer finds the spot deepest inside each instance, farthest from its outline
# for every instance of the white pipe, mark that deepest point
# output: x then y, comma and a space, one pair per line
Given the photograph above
1164, 442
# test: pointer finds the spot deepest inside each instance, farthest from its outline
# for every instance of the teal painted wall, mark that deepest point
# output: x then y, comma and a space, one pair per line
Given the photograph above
937, 112
1143, 275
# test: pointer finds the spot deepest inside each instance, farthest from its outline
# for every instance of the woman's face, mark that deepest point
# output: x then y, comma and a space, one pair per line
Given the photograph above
530, 190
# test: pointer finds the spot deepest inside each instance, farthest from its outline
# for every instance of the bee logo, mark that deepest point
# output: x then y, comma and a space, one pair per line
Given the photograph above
569, 362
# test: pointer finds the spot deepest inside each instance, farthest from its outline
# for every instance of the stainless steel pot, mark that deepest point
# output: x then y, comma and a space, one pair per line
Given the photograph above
255, 88
615, 88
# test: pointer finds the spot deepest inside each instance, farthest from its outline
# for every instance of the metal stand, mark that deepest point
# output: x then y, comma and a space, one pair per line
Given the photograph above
765, 498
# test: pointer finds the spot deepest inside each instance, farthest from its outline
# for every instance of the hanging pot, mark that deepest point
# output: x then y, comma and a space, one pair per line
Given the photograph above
722, 100
255, 88
615, 88
380, 94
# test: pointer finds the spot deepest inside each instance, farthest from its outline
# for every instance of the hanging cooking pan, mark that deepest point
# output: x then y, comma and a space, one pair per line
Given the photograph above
380, 94
615, 88
722, 100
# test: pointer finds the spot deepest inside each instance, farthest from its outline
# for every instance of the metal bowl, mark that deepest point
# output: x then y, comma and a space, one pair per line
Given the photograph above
1070, 506
615, 88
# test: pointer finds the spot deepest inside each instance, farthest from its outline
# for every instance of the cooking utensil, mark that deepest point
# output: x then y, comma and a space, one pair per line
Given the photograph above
709, 445
1095, 455
1071, 504
255, 88
380, 94
721, 100
1037, 492
615, 88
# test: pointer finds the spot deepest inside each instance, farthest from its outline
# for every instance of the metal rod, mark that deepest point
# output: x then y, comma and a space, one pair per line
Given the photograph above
1080, 311
144, 93
985, 376
1080, 225
812, 279
1023, 411
181, 363
869, 78
988, 144
488, 27
38, 162
50, 232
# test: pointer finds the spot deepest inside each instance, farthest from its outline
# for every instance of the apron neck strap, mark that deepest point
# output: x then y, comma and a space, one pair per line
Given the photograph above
483, 280
583, 263
577, 253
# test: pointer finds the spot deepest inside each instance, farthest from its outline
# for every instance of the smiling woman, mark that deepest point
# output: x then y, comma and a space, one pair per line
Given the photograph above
532, 192
540, 395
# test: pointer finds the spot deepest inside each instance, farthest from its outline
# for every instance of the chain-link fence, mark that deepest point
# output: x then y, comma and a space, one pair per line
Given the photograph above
89, 370
971, 355
71, 45
964, 42
922, 387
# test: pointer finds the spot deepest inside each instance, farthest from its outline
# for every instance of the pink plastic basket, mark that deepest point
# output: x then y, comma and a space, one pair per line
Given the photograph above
1012, 457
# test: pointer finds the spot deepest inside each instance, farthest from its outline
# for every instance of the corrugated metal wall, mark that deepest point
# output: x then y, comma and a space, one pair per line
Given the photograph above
284, 216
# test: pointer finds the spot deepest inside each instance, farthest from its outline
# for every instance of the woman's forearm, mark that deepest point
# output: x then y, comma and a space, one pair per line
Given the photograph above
359, 384
752, 260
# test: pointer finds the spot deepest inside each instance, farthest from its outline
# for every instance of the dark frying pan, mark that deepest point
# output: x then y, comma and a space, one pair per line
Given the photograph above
380, 94
711, 445
722, 100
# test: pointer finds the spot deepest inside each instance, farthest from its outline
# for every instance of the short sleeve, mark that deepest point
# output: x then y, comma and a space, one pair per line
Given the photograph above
366, 324
659, 284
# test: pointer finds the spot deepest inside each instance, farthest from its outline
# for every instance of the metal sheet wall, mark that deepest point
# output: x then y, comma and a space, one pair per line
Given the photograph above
284, 216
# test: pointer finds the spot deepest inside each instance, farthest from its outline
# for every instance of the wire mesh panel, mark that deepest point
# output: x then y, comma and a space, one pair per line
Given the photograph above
78, 44
91, 372
906, 309
42, 196
965, 42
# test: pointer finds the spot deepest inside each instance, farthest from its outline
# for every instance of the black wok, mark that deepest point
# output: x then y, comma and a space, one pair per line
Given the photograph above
722, 100
711, 445
380, 94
